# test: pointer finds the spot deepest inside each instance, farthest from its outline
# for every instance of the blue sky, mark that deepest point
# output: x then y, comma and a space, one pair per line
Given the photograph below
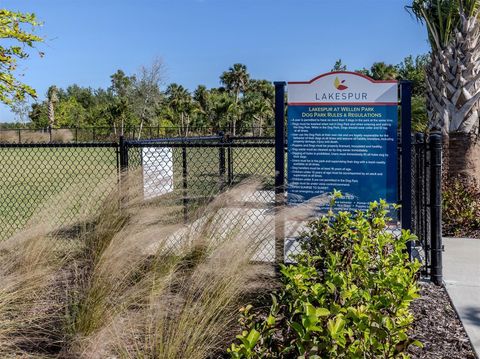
86, 41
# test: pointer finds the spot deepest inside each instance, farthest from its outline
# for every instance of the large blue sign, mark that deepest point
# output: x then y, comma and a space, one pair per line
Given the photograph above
348, 144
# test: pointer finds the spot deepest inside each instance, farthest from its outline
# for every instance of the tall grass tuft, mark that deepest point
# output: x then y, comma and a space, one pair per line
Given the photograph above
133, 280
159, 289
31, 304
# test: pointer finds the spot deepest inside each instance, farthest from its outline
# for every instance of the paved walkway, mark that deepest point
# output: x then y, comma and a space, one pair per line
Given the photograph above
461, 272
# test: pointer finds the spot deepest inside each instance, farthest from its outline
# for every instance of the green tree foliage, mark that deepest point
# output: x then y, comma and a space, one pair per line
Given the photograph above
121, 87
339, 66
259, 106
413, 69
442, 17
243, 105
381, 71
16, 31
180, 106
236, 81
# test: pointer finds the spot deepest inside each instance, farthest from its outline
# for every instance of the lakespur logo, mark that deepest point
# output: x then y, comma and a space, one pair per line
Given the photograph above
339, 85
340, 96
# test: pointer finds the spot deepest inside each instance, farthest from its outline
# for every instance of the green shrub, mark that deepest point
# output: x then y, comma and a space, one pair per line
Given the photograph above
348, 296
461, 208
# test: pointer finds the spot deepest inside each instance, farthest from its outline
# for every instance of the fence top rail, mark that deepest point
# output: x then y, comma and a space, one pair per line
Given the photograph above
141, 144
126, 129
56, 145
170, 139
250, 138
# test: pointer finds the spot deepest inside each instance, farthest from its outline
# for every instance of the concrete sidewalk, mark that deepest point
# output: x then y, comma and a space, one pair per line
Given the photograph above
461, 273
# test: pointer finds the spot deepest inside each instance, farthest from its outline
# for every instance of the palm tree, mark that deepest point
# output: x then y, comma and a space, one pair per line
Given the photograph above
235, 81
383, 71
258, 103
453, 74
179, 99
121, 87
258, 110
220, 108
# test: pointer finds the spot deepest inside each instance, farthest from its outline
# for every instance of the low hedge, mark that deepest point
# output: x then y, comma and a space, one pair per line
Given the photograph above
348, 296
461, 208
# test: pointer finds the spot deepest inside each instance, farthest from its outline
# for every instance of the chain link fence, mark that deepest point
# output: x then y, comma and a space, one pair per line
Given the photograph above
193, 171
52, 183
55, 183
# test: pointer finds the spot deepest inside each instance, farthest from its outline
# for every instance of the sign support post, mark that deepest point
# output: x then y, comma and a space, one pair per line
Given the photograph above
406, 188
279, 171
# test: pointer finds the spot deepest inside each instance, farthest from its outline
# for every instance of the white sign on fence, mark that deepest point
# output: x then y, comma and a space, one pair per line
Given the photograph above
157, 171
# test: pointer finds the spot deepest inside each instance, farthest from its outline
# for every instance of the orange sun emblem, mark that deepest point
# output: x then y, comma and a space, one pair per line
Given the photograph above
339, 85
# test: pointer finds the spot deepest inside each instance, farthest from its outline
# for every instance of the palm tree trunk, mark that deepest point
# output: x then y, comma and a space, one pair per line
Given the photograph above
463, 157
182, 122
51, 114
140, 129
142, 117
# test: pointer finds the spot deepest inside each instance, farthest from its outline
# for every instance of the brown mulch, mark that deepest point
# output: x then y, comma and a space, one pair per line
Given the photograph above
437, 326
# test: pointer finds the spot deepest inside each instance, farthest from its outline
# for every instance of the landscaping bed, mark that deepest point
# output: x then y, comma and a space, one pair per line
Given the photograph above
437, 326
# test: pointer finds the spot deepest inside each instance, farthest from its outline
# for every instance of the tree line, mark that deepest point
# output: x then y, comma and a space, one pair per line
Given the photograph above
240, 105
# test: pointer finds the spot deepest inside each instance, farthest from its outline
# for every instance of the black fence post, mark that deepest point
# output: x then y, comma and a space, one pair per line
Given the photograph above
419, 140
185, 183
19, 136
221, 161
279, 171
229, 160
420, 196
425, 199
122, 173
406, 199
123, 154
436, 207
50, 133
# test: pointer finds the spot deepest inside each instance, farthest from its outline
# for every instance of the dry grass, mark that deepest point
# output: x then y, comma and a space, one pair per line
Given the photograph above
36, 136
30, 307
8, 136
62, 136
133, 281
